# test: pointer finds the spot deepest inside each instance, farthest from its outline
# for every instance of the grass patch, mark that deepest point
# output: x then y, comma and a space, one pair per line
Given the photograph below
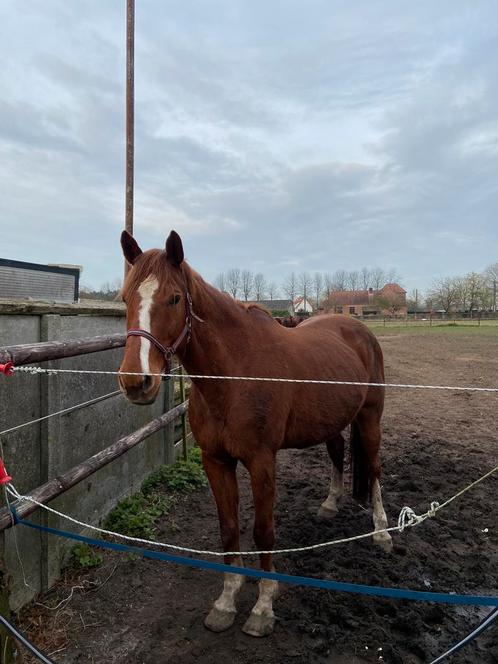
84, 556
450, 328
137, 515
182, 476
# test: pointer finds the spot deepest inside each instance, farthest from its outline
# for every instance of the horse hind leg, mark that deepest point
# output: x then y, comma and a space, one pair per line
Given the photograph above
329, 508
365, 444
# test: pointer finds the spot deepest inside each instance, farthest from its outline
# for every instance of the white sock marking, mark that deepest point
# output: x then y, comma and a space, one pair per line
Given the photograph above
146, 291
336, 490
231, 586
267, 593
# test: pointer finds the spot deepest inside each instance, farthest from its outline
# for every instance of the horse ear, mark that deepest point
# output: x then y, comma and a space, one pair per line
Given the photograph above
174, 249
131, 250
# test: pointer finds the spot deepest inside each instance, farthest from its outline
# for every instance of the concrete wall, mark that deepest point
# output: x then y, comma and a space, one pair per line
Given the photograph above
39, 452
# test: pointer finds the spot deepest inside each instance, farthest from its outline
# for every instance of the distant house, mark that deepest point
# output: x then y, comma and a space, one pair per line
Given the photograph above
279, 306
303, 306
390, 300
57, 283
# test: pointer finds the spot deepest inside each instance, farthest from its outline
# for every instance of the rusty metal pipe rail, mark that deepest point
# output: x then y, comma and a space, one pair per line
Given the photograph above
56, 350
81, 471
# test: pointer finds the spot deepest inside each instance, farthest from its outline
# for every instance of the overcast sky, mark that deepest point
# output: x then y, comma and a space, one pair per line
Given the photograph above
272, 135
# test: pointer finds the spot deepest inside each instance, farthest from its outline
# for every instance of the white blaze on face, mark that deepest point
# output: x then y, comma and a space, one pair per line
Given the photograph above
146, 291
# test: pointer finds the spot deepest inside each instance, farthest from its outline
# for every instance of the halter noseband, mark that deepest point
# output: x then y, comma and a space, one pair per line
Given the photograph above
169, 351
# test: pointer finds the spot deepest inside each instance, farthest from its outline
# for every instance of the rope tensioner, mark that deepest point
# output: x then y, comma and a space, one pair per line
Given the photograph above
7, 368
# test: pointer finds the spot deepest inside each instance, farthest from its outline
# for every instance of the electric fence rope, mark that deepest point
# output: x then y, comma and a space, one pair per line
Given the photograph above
407, 519
38, 370
70, 409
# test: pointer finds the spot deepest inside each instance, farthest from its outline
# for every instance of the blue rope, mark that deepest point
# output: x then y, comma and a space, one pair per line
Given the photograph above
489, 620
447, 598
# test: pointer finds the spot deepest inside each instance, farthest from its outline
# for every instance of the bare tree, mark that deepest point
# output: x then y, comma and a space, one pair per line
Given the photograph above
317, 287
491, 276
353, 280
272, 290
478, 291
289, 286
340, 278
247, 280
392, 276
305, 284
444, 293
328, 285
378, 278
220, 282
233, 281
259, 285
365, 277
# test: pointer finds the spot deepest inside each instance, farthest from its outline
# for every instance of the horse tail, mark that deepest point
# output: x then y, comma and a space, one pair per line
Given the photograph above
359, 466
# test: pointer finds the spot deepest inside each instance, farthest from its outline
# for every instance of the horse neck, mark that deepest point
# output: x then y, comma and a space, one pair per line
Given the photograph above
226, 327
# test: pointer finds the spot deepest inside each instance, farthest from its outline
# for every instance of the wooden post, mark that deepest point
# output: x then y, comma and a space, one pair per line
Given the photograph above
184, 416
130, 116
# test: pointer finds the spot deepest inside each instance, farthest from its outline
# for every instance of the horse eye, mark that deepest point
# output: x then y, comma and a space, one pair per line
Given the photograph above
174, 300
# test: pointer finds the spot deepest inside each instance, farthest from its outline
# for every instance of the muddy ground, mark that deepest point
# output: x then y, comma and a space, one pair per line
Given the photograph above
434, 444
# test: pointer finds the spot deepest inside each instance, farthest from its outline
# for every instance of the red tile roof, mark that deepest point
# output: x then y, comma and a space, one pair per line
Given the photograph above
363, 296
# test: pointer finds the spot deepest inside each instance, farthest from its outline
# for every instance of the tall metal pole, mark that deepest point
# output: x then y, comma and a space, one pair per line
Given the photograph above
130, 115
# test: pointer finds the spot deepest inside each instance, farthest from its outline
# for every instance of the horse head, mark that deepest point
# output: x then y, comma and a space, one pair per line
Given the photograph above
158, 315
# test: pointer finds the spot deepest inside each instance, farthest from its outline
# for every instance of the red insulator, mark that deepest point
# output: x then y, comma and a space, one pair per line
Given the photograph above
7, 369
4, 478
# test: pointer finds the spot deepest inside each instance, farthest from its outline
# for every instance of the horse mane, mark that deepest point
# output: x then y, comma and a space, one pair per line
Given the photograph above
254, 308
152, 261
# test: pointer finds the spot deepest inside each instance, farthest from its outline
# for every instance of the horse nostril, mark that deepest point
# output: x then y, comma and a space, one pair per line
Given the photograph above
146, 383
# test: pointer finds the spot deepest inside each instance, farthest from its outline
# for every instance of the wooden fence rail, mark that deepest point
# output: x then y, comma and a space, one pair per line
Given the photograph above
70, 478
55, 350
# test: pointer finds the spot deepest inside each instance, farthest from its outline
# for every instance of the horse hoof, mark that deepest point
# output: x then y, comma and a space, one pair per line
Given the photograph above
259, 625
326, 514
219, 621
384, 541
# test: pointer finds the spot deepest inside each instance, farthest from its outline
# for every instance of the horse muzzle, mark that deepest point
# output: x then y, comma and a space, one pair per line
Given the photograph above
140, 390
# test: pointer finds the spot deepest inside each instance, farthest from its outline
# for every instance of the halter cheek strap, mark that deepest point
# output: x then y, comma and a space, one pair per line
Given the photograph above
169, 351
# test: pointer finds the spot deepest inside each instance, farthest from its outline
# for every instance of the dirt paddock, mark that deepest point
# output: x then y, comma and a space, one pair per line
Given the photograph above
148, 612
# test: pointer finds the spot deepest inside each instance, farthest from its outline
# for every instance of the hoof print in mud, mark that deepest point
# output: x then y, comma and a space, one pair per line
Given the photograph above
219, 621
259, 625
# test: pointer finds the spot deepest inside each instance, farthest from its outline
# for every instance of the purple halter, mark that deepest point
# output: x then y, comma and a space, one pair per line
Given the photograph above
169, 351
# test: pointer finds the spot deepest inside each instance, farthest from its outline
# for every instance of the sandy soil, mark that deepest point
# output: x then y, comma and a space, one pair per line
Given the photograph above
434, 444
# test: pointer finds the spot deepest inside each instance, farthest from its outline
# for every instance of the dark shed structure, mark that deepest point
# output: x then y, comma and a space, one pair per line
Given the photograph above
20, 280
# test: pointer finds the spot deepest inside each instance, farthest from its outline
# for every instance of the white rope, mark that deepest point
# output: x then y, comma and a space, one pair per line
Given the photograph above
61, 412
38, 370
406, 519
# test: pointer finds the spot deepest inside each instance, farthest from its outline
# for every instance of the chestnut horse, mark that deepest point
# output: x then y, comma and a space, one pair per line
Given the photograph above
171, 309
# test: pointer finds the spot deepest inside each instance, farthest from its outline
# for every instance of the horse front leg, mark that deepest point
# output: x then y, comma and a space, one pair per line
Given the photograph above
262, 471
222, 477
